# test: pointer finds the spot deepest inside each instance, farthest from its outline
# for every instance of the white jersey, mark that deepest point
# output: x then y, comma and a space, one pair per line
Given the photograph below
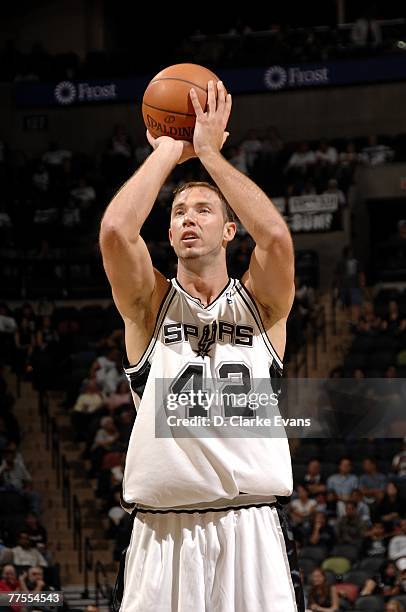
223, 339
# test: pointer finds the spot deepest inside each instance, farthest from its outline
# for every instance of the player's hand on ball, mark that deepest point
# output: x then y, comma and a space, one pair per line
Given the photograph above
184, 149
210, 134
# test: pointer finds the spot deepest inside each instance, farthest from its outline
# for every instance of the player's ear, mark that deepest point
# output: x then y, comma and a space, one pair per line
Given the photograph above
170, 236
230, 228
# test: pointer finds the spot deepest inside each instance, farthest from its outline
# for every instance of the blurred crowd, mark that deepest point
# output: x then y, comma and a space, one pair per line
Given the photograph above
242, 44
51, 207
26, 557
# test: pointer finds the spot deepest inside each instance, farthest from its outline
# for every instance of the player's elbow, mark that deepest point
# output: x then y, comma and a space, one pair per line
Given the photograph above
113, 234
279, 246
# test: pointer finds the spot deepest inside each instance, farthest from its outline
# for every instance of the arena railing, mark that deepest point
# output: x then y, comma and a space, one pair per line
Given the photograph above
77, 531
70, 502
103, 588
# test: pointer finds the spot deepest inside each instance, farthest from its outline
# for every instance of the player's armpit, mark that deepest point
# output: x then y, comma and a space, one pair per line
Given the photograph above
271, 274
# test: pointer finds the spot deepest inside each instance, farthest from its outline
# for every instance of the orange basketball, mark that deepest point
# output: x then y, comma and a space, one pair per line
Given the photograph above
166, 106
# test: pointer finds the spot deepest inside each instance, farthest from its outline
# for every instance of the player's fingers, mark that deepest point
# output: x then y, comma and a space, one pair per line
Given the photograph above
220, 97
196, 104
151, 140
211, 97
227, 108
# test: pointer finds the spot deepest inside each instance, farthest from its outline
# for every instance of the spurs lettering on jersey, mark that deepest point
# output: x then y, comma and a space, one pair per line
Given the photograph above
226, 336
203, 338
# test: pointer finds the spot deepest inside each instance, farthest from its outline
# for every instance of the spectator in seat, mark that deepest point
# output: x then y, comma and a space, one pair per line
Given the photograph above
251, 147
375, 154
40, 178
375, 543
401, 565
124, 426
399, 462
343, 482
326, 162
91, 399
347, 282
84, 194
24, 342
332, 188
302, 508
106, 440
369, 323
322, 534
121, 397
397, 544
32, 581
394, 605
38, 535
71, 215
348, 161
313, 479
388, 508
15, 476
385, 583
350, 527
363, 509
55, 156
366, 31
322, 597
9, 583
372, 483
105, 369
305, 299
391, 323
301, 160
27, 554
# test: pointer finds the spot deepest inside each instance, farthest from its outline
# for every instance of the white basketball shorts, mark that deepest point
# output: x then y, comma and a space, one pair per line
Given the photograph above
240, 559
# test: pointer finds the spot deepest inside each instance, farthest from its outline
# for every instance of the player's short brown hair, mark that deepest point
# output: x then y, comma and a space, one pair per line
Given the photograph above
227, 210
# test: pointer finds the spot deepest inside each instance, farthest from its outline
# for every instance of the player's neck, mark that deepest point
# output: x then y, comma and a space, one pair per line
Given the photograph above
204, 283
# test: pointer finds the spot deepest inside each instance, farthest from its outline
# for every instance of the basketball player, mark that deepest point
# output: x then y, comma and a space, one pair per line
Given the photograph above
209, 533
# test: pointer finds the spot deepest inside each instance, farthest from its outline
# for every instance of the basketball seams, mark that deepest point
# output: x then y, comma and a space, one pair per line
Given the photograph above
178, 79
171, 112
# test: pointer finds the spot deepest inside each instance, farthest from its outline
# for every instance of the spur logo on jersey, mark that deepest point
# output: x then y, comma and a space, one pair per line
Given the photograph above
204, 337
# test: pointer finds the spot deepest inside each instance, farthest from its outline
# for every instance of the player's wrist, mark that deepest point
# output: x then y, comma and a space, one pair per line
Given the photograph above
208, 154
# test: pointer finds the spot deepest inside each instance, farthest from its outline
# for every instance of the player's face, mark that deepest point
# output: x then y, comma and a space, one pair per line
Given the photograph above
198, 226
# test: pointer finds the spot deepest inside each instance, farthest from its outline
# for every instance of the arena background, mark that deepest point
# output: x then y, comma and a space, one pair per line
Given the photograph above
319, 122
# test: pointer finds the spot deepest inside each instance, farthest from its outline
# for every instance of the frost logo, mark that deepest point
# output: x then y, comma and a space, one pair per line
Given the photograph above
65, 92
275, 77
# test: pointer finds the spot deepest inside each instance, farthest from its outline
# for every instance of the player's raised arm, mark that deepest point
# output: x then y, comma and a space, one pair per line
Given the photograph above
271, 272
126, 259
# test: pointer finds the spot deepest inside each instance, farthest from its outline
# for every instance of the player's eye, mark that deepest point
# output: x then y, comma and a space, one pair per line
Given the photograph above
178, 212
205, 210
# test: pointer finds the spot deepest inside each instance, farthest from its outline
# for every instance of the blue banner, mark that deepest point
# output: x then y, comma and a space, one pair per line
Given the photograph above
273, 78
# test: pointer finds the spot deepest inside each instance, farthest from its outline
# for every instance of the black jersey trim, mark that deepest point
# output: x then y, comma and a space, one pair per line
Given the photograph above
230, 284
137, 509
253, 308
163, 309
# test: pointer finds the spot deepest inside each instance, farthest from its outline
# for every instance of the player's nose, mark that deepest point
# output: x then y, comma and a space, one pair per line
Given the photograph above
188, 219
